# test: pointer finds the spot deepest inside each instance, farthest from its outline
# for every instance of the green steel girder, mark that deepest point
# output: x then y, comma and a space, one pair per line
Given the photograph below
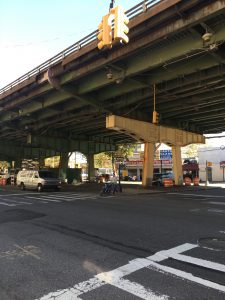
145, 61
149, 59
66, 145
195, 109
167, 30
31, 107
12, 151
184, 68
181, 83
198, 98
208, 113
69, 88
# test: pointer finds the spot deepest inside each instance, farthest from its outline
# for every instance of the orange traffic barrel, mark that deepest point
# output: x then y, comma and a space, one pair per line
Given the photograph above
168, 182
3, 181
196, 181
187, 180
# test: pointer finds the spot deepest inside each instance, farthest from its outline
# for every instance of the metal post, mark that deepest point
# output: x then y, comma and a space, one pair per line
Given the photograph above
120, 187
206, 173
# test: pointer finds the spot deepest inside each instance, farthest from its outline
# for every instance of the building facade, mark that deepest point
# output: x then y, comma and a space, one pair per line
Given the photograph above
212, 160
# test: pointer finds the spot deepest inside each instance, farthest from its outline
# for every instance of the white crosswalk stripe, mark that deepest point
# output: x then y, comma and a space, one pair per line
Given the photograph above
43, 198
116, 277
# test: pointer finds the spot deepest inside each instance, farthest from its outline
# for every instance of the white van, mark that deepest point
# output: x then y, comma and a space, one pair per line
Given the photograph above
38, 180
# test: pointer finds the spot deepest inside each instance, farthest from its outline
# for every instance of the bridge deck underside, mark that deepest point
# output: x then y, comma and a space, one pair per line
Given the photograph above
169, 51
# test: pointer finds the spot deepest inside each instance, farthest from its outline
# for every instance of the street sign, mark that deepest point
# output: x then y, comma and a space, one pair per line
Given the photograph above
165, 154
119, 158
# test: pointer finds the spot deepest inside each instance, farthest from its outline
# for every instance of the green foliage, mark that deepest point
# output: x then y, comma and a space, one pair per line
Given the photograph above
107, 159
103, 160
191, 150
125, 151
4, 165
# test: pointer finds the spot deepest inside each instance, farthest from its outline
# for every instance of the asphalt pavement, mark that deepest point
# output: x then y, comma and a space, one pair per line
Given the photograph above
140, 244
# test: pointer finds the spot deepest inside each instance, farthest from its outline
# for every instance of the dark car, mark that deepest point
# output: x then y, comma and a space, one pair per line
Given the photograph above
158, 178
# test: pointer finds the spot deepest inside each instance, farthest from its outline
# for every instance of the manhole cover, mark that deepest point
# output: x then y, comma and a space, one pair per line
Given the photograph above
212, 243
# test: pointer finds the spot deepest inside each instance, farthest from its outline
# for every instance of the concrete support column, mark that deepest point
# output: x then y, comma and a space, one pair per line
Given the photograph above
91, 166
148, 164
41, 162
177, 165
64, 159
17, 163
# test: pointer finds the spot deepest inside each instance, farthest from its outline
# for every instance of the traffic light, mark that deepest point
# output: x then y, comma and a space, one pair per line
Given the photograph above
105, 34
120, 24
155, 117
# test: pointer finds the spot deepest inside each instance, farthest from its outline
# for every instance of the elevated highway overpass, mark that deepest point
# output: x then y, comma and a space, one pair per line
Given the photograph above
62, 105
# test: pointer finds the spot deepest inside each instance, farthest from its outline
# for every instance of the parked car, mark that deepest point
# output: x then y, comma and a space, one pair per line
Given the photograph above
158, 178
38, 180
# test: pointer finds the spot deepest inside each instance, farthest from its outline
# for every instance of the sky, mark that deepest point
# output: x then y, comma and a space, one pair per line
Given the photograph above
32, 32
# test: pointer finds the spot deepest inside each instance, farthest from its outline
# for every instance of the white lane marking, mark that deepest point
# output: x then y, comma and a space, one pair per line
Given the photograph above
21, 194
195, 209
14, 201
209, 210
222, 231
199, 262
197, 195
218, 211
115, 275
20, 202
7, 204
216, 203
78, 198
42, 198
184, 275
136, 289
71, 197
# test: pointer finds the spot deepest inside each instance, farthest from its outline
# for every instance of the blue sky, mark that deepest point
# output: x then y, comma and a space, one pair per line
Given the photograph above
33, 31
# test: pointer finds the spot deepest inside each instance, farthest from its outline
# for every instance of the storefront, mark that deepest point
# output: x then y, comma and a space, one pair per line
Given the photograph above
212, 159
134, 167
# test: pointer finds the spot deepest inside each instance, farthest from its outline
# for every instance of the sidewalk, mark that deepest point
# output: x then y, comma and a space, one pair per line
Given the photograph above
127, 188
130, 188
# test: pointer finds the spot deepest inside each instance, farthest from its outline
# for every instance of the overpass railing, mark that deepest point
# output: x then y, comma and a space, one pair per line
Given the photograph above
131, 13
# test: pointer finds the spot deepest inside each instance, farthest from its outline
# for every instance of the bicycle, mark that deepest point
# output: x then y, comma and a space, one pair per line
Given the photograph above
107, 188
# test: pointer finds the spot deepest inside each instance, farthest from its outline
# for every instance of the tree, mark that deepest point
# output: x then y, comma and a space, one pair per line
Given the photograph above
108, 159
103, 160
191, 150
